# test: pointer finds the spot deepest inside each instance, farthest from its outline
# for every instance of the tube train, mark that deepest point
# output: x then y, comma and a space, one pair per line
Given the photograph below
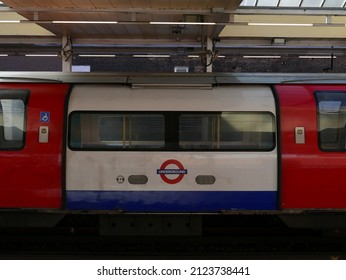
172, 143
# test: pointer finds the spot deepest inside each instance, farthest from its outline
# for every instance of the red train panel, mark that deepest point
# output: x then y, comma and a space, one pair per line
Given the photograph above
311, 178
33, 173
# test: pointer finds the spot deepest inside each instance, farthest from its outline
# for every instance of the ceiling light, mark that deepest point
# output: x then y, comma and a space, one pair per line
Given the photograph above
96, 55
278, 24
316, 56
41, 55
182, 23
9, 21
84, 22
3, 54
261, 56
151, 55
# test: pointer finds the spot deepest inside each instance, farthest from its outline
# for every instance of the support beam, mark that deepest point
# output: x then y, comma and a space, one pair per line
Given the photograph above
209, 55
66, 54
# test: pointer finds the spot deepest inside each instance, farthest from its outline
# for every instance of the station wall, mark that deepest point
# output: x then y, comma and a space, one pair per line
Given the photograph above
285, 64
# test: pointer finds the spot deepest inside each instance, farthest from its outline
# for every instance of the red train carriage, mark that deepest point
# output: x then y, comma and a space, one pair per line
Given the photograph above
313, 159
31, 137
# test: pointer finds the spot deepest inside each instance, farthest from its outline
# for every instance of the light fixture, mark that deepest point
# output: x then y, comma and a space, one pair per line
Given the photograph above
10, 21
316, 56
96, 55
181, 23
151, 55
83, 22
41, 55
278, 24
261, 56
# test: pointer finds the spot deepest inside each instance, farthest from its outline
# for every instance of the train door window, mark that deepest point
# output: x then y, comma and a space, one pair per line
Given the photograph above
116, 131
331, 116
12, 119
227, 131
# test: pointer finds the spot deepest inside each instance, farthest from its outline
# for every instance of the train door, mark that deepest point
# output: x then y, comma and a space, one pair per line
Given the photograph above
31, 129
313, 146
171, 150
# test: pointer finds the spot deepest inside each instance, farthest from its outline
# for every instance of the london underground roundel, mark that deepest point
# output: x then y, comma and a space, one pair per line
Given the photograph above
165, 173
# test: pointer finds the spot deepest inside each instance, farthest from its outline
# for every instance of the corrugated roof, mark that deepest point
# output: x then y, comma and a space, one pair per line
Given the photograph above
294, 3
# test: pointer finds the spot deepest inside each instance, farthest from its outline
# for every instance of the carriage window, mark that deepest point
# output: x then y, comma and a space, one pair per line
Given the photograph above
223, 131
227, 131
116, 131
331, 112
12, 119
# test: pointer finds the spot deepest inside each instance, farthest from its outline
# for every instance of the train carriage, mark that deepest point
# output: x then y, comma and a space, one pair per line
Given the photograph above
172, 143
171, 150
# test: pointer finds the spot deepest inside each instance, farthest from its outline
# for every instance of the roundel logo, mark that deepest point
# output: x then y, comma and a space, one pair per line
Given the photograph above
177, 173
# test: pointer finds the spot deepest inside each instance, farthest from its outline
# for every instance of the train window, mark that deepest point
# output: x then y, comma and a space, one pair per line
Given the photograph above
236, 131
12, 119
227, 131
116, 131
331, 112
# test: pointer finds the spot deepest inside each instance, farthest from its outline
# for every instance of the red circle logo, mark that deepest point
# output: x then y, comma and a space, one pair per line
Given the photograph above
180, 171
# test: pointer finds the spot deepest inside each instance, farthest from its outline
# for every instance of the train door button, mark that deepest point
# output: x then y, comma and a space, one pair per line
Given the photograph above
43, 134
205, 179
300, 135
138, 179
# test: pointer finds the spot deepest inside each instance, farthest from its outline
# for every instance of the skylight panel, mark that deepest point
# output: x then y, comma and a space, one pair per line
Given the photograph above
338, 4
312, 3
290, 3
267, 3
334, 3
248, 3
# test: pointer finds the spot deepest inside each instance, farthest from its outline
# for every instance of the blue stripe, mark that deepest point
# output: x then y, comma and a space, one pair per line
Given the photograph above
171, 201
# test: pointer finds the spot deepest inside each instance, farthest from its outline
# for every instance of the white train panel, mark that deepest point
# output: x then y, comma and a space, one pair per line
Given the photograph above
230, 98
171, 149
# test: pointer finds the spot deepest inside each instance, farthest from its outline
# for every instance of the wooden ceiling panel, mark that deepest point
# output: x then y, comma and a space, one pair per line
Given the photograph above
55, 4
140, 3
83, 4
145, 4
19, 4
198, 4
134, 17
159, 4
119, 3
102, 3
179, 4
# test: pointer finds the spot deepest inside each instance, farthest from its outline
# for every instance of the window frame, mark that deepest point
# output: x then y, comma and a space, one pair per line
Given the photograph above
171, 133
318, 120
14, 94
218, 134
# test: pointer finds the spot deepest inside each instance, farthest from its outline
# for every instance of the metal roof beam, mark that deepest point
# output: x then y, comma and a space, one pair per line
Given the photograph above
58, 10
290, 11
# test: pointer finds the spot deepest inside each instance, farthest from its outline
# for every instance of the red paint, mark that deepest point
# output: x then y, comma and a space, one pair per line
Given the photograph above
32, 177
310, 178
